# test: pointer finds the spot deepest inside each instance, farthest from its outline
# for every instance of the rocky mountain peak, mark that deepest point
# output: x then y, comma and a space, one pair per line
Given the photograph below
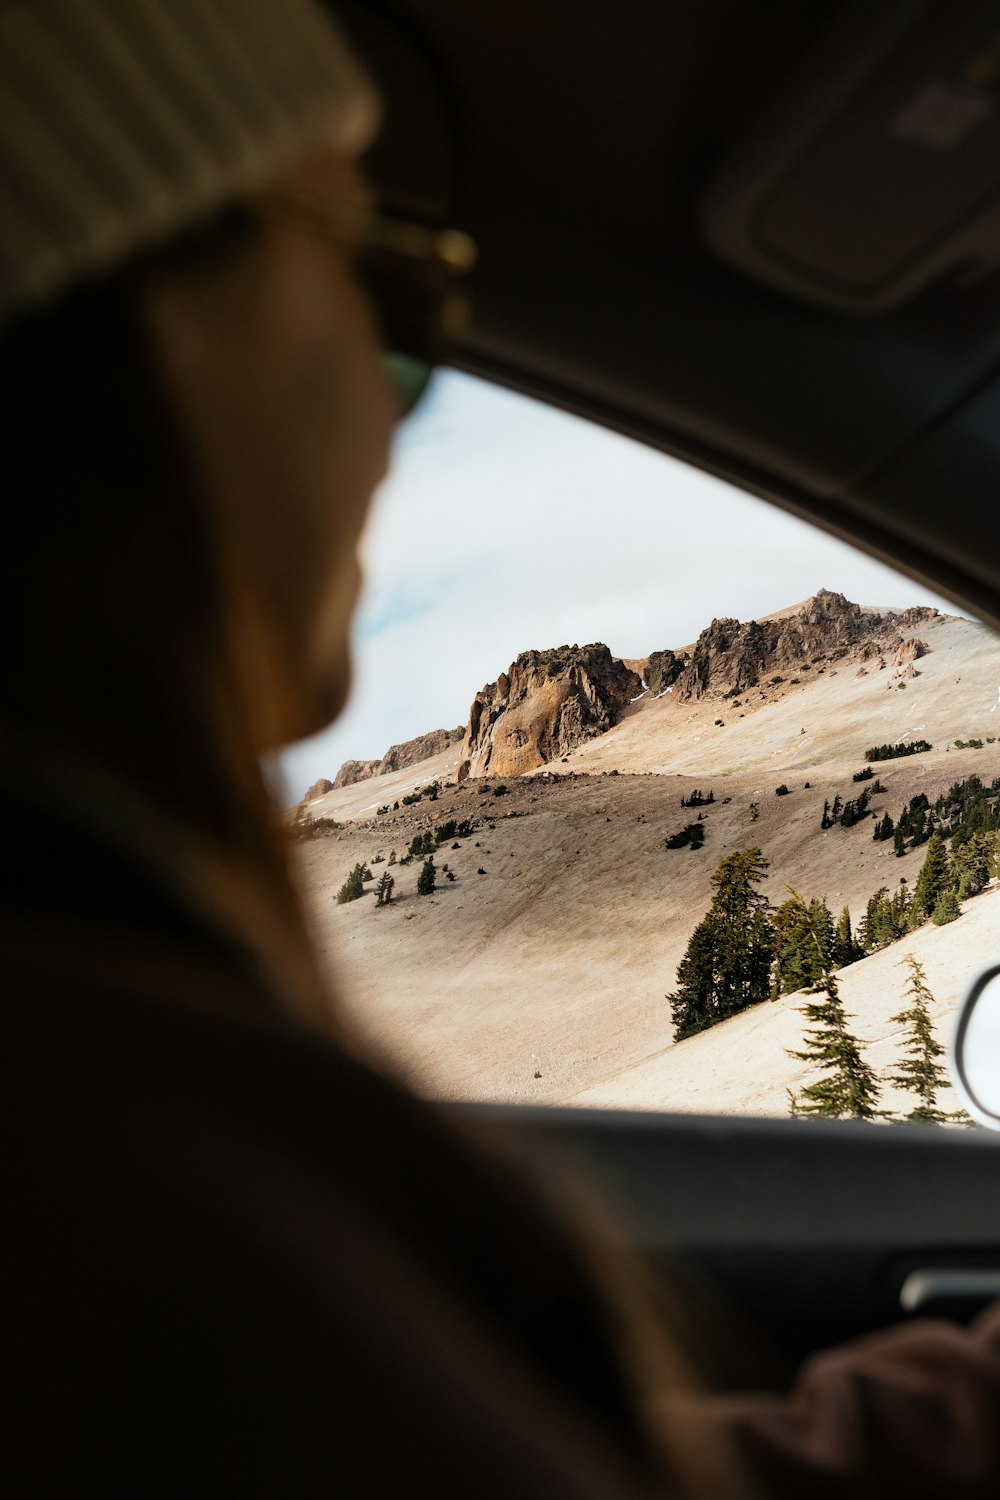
543, 706
397, 757
731, 656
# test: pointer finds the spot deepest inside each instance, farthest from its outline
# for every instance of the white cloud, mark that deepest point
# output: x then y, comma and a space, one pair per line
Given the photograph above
507, 525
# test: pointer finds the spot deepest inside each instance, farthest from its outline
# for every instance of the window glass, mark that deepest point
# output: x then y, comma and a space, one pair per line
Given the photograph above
649, 796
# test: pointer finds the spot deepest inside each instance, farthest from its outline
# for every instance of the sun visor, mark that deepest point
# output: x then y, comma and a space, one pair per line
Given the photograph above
876, 172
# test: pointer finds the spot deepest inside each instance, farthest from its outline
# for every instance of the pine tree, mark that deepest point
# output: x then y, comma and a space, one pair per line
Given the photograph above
427, 879
849, 1086
845, 948
970, 863
353, 887
383, 891
920, 1072
803, 942
946, 909
932, 882
727, 965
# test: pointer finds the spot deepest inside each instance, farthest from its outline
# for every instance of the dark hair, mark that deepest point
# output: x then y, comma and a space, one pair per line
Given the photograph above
112, 611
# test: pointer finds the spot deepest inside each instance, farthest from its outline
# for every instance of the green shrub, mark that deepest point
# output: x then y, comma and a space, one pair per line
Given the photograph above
946, 909
354, 886
314, 828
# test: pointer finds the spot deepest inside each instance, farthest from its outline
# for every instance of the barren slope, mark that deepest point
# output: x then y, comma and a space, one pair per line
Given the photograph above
557, 959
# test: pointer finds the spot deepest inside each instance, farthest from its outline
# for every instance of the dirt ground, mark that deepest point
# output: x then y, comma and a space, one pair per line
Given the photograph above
544, 977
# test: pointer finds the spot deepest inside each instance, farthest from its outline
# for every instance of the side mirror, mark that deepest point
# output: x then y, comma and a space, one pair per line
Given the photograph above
975, 1057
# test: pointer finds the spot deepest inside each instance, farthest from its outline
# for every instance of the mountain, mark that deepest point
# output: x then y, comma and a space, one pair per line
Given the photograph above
396, 758
540, 973
546, 704
731, 656
549, 703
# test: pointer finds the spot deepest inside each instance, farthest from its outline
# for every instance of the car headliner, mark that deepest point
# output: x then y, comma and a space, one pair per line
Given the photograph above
580, 144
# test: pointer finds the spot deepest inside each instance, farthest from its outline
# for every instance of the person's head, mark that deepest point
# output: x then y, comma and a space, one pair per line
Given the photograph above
193, 409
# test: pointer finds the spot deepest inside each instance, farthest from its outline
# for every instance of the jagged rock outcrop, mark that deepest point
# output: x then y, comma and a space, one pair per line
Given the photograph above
353, 771
731, 656
663, 670
398, 757
907, 652
543, 706
318, 789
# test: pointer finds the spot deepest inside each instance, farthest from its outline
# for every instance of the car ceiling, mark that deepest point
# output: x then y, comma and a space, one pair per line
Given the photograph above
646, 182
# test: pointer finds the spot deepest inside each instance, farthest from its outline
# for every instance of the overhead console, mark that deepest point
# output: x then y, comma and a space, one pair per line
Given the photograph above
876, 171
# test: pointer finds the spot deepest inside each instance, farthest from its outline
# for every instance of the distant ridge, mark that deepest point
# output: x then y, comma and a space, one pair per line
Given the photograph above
548, 703
396, 758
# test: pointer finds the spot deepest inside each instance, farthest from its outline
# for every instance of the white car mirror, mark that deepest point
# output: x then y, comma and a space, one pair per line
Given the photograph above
975, 1059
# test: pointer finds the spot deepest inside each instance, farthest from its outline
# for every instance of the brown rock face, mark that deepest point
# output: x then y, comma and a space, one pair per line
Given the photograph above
731, 657
353, 771
543, 706
318, 789
663, 670
908, 652
398, 757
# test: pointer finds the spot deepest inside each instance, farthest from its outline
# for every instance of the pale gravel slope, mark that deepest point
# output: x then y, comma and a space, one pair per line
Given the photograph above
557, 960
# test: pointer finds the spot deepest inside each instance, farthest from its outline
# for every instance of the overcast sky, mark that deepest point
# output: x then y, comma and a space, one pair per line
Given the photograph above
506, 525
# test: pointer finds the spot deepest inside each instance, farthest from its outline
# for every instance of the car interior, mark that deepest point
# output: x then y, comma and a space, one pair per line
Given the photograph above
763, 237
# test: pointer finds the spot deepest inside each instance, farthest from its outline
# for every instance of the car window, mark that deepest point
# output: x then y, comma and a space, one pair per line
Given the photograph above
649, 796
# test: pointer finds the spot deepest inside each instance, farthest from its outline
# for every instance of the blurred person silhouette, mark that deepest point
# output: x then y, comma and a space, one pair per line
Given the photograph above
243, 1259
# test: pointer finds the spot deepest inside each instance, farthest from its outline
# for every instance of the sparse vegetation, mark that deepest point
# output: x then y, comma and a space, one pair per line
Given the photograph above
354, 886
920, 1072
845, 813
453, 830
314, 828
698, 799
803, 943
692, 834
933, 881
727, 966
900, 748
848, 1087
946, 909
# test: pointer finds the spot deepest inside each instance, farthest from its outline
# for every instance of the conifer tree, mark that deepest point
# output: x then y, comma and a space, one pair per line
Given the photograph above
803, 942
970, 863
353, 887
946, 909
383, 891
932, 882
920, 1072
846, 950
727, 965
849, 1086
427, 879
